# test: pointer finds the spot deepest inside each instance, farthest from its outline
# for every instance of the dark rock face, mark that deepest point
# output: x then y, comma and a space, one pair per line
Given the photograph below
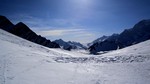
101, 39
103, 46
25, 32
5, 24
63, 44
140, 32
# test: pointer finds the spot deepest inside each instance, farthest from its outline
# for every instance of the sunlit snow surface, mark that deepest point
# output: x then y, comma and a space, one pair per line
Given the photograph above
23, 62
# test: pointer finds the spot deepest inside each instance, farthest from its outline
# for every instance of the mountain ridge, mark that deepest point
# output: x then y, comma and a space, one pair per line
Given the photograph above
23, 31
140, 32
69, 45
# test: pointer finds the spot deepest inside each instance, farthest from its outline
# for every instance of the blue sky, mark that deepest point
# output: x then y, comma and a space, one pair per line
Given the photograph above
76, 20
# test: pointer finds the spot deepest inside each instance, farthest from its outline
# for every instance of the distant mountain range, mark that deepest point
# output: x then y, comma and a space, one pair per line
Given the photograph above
69, 45
25, 32
140, 32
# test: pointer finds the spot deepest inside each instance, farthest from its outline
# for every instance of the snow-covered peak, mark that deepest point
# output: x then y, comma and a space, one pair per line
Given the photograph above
69, 45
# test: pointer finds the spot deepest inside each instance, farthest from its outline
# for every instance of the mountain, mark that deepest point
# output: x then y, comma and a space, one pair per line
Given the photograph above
103, 38
139, 33
77, 45
5, 24
63, 44
25, 32
69, 45
24, 62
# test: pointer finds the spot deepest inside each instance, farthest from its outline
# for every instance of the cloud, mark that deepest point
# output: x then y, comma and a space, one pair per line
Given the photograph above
79, 35
59, 32
43, 21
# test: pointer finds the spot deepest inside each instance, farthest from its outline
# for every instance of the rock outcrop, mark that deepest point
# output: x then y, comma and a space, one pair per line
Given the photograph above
5, 24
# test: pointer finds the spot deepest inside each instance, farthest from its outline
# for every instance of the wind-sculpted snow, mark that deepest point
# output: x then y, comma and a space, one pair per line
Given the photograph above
116, 59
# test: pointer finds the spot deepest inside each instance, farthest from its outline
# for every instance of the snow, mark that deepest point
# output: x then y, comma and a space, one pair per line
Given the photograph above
23, 62
142, 48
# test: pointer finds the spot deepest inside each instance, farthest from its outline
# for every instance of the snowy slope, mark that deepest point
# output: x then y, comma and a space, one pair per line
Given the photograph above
142, 49
23, 62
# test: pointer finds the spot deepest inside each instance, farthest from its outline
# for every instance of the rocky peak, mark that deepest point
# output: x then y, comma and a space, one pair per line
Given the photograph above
5, 24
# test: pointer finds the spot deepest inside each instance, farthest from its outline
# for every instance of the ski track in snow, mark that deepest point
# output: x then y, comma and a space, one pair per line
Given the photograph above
23, 62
